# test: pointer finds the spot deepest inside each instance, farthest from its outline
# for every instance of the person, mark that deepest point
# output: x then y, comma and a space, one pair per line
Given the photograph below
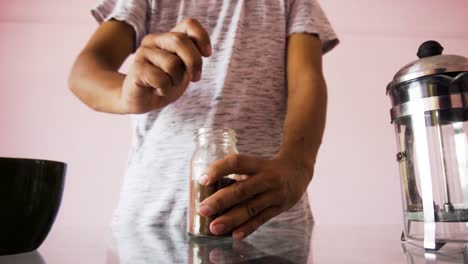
253, 66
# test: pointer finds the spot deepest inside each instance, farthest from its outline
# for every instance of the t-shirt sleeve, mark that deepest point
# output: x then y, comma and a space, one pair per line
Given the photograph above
306, 16
133, 12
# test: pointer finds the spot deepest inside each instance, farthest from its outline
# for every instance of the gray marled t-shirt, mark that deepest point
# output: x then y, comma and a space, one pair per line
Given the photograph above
243, 87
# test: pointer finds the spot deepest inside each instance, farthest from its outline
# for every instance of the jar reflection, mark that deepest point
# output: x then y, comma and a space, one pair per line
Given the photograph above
272, 243
449, 255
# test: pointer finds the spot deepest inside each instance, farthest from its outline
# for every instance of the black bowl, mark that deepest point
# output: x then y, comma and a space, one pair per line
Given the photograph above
30, 195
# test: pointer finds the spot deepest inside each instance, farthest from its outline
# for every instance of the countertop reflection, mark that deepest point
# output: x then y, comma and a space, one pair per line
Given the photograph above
27, 258
290, 243
273, 243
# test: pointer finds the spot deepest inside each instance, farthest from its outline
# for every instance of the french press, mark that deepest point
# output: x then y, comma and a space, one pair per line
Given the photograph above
430, 113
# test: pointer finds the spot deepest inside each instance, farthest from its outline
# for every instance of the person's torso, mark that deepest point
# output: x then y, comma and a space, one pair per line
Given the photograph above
243, 87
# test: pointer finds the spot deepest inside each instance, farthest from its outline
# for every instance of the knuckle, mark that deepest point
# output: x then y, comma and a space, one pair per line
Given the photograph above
147, 79
212, 170
195, 64
252, 210
140, 71
233, 160
179, 39
141, 50
158, 80
279, 181
147, 39
218, 204
140, 54
267, 183
164, 82
240, 191
137, 67
275, 185
172, 64
190, 22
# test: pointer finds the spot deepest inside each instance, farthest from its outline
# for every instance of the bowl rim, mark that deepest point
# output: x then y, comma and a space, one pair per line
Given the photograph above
33, 160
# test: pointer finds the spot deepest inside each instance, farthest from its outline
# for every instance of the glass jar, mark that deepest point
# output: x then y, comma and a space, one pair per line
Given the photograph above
211, 145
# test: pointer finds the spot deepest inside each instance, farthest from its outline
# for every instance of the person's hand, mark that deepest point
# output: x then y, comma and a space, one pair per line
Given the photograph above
272, 187
163, 67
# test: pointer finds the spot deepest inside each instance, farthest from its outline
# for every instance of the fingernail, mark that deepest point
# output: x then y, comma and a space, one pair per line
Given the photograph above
197, 76
203, 179
217, 229
216, 255
205, 210
238, 235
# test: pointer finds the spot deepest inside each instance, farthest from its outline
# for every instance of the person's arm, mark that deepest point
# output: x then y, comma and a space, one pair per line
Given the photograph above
163, 66
94, 78
307, 101
277, 184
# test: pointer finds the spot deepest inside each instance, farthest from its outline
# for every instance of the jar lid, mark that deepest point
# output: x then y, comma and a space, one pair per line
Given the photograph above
431, 61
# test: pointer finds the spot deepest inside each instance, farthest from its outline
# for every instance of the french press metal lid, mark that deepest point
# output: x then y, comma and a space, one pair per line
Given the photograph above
430, 62
427, 78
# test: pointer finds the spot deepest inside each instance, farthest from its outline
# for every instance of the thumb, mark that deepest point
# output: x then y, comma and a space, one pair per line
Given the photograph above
197, 33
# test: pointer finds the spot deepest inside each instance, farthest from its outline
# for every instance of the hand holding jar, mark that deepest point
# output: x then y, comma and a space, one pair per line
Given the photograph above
271, 187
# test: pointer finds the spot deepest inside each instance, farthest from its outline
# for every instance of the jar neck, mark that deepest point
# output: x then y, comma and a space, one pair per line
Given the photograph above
215, 136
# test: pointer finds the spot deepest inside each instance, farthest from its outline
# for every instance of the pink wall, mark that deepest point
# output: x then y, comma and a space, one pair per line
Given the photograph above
356, 179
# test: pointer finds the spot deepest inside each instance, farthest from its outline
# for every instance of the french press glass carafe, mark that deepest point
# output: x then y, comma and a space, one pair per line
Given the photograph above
430, 113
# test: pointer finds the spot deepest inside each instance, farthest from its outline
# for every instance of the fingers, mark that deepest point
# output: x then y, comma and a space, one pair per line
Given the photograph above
151, 76
231, 164
183, 46
229, 196
242, 213
188, 41
197, 33
237, 251
253, 224
166, 61
222, 255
